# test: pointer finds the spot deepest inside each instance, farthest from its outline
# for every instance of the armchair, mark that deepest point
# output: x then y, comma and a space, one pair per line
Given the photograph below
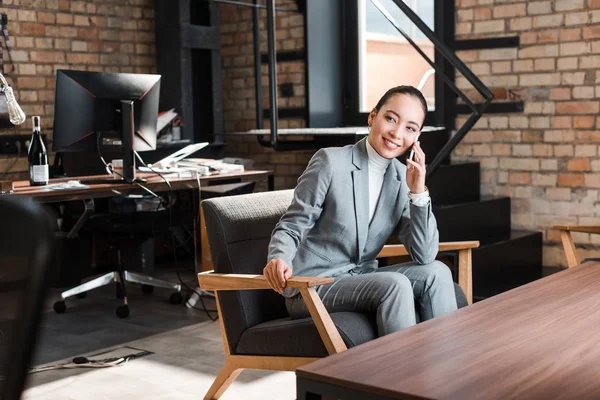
569, 244
257, 331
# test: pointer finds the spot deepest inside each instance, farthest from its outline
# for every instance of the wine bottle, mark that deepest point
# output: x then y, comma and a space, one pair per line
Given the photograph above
37, 156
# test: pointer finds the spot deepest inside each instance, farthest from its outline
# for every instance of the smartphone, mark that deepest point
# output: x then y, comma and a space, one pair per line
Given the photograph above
411, 156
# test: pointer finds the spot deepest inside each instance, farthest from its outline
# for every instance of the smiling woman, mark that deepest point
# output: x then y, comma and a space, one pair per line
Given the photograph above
365, 188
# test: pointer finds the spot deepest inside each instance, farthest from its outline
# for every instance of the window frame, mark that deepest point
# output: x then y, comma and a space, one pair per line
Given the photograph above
445, 100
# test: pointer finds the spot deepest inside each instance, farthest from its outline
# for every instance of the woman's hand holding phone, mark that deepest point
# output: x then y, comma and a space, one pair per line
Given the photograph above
415, 173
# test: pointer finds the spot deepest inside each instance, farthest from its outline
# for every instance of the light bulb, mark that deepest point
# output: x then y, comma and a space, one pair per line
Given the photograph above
15, 112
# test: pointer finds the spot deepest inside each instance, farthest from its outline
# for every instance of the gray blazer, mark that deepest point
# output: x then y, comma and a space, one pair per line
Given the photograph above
326, 231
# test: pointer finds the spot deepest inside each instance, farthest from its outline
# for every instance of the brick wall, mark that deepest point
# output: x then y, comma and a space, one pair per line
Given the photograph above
546, 158
238, 87
95, 35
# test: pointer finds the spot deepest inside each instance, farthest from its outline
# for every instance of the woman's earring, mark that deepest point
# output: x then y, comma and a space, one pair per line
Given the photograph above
369, 128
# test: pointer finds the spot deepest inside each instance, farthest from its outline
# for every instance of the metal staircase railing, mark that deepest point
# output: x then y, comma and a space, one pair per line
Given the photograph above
449, 55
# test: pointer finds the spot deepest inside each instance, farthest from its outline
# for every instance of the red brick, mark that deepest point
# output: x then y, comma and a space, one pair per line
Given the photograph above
68, 31
82, 58
31, 83
46, 17
548, 36
95, 47
561, 122
591, 32
579, 165
483, 14
578, 107
33, 28
46, 95
560, 94
584, 122
570, 35
111, 47
87, 33
519, 178
572, 180
510, 10
48, 56
588, 136
64, 19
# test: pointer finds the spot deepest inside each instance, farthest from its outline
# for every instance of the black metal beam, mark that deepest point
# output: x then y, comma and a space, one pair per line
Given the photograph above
301, 6
285, 56
286, 113
486, 43
257, 66
495, 108
251, 5
200, 37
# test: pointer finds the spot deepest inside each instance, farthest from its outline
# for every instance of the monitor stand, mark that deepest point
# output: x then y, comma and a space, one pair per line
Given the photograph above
127, 134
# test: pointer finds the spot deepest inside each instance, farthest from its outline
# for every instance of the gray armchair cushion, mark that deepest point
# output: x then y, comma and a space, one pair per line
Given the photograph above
461, 299
300, 338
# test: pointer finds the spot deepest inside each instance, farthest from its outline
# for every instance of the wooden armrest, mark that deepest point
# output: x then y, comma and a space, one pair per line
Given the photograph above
394, 250
249, 282
327, 330
465, 274
578, 228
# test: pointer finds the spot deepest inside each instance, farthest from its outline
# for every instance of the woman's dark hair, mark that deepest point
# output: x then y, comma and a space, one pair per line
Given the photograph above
404, 89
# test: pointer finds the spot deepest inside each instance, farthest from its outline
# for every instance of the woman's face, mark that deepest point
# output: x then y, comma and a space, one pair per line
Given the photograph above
396, 126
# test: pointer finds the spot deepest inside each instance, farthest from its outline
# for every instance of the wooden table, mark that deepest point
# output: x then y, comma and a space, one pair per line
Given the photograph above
538, 341
154, 183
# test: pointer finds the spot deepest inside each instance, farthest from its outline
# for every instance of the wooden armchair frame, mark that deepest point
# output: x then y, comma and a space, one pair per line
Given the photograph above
332, 340
569, 244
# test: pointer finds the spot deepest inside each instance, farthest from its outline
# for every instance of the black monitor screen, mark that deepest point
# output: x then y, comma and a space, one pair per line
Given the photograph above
88, 106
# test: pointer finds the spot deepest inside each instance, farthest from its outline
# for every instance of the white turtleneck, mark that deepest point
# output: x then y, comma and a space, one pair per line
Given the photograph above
377, 167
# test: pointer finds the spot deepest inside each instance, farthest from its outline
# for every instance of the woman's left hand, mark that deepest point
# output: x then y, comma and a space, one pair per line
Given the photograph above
415, 171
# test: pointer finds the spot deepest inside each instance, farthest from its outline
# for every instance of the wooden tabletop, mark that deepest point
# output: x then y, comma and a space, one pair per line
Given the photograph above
154, 183
538, 341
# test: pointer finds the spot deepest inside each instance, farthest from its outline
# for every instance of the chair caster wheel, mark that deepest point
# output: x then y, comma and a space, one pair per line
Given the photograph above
81, 295
60, 307
123, 311
147, 289
176, 298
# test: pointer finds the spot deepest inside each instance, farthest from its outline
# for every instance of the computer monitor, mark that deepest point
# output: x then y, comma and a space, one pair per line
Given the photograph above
115, 111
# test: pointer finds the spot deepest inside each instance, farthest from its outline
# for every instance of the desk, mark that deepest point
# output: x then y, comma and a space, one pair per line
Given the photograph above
538, 341
154, 182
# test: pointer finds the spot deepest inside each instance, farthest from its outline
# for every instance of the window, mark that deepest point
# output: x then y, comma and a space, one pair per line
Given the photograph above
386, 58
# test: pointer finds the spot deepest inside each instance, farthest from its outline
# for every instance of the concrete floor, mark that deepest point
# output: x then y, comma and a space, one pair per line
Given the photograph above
187, 347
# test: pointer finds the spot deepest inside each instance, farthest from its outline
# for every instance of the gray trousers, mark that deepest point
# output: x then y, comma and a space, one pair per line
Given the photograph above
390, 292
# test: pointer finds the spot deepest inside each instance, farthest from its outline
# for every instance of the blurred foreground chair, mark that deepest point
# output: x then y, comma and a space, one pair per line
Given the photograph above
26, 258
569, 244
257, 330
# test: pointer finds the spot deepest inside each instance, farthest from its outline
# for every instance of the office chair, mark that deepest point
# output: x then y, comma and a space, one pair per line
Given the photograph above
123, 228
27, 251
